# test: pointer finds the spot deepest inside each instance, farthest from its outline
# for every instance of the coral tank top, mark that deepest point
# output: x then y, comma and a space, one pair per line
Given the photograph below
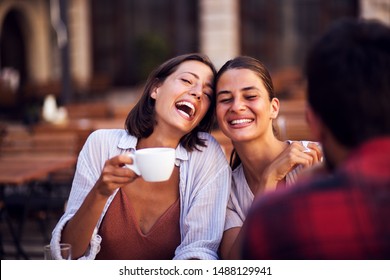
122, 239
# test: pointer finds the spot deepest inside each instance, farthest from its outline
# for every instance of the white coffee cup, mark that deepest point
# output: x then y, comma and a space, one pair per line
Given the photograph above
307, 149
153, 164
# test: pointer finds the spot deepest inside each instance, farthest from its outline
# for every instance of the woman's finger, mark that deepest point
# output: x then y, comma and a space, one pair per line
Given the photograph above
120, 160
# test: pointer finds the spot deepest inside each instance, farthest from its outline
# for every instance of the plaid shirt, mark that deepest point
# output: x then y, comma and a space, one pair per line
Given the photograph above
343, 216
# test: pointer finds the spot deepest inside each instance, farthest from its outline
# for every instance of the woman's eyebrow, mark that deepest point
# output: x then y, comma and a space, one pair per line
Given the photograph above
196, 76
223, 92
249, 88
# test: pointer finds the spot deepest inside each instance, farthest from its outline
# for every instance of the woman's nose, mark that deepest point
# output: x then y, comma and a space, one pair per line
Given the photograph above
196, 92
237, 105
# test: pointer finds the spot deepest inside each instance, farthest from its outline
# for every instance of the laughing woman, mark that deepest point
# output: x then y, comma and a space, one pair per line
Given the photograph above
246, 108
114, 214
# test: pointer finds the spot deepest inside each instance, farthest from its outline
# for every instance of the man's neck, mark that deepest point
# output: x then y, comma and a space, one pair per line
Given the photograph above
334, 152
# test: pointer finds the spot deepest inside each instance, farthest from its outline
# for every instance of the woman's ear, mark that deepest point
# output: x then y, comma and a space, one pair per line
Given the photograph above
275, 105
314, 122
154, 92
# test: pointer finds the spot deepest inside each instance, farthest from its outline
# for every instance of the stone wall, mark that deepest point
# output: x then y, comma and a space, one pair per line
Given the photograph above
219, 29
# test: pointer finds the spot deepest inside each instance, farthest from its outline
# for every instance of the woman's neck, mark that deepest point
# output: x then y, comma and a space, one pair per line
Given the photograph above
256, 156
157, 141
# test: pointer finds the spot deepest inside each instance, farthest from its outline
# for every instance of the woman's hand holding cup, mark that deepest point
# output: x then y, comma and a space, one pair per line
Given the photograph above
114, 176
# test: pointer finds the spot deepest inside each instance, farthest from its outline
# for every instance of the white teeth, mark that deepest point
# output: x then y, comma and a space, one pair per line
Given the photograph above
189, 105
184, 113
186, 104
240, 121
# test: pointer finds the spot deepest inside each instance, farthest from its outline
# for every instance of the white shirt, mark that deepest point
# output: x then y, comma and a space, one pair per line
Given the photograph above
241, 196
205, 179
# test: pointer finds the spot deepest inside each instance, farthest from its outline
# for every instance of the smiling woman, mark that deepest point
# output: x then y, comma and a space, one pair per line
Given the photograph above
113, 213
246, 108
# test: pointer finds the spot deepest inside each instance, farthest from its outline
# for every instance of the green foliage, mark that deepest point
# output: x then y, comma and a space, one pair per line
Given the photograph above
151, 50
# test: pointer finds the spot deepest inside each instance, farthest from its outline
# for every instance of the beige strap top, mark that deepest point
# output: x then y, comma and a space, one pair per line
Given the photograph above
122, 238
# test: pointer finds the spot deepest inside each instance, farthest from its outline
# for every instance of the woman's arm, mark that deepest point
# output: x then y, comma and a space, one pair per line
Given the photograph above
79, 229
230, 248
96, 180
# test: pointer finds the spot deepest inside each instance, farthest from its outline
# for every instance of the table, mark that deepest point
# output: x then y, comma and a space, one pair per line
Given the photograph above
81, 127
108, 123
21, 169
27, 169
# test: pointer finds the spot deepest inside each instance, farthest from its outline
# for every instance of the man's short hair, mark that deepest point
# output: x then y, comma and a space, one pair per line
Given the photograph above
348, 73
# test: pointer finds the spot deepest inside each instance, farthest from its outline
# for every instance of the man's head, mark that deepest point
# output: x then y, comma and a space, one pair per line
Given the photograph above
348, 73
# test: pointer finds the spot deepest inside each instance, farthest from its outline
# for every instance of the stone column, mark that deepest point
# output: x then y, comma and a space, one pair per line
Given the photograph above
80, 41
219, 30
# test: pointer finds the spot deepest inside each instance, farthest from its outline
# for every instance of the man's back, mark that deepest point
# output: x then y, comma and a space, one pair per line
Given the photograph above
345, 216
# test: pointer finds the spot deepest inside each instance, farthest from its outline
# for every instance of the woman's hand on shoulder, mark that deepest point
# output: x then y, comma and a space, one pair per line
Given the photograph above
114, 175
314, 150
298, 154
295, 154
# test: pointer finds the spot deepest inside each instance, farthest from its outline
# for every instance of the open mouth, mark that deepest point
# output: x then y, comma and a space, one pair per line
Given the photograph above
186, 108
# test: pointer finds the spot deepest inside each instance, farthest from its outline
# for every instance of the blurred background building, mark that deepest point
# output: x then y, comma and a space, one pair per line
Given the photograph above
80, 49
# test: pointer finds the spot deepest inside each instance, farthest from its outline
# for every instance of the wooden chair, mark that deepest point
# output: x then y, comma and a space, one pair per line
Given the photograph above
88, 110
291, 122
3, 133
45, 199
39, 144
121, 112
43, 144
